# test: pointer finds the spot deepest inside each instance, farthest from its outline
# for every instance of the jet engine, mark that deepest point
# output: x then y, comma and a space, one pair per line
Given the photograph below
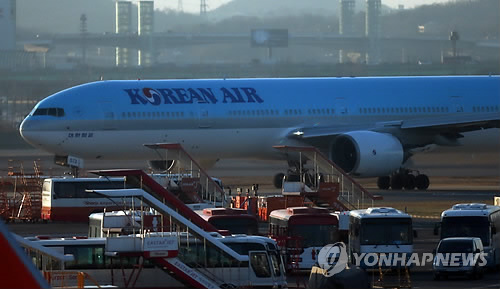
367, 153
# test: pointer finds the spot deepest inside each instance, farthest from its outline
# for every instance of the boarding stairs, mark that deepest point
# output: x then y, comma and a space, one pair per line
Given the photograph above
325, 184
139, 179
168, 258
193, 182
163, 250
25, 202
5, 187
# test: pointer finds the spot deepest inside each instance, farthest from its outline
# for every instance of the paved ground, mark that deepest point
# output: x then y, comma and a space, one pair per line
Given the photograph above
477, 181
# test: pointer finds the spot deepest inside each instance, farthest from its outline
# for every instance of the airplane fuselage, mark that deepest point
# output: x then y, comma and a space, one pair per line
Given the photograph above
244, 118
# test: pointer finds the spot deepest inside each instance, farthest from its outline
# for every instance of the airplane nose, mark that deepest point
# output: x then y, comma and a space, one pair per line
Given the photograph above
42, 134
31, 133
26, 130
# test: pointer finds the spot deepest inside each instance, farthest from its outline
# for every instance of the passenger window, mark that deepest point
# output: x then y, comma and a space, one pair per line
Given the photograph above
64, 190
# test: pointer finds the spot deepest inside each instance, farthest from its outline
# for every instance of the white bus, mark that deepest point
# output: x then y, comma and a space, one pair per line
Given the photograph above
264, 269
475, 220
68, 199
380, 231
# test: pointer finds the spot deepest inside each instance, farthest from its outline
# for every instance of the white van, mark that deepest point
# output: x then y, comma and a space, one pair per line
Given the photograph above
459, 256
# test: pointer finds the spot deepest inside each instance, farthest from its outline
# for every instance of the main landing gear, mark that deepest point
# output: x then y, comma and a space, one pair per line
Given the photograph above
404, 179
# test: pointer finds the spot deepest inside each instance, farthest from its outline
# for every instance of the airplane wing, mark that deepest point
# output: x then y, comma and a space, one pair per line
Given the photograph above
446, 124
457, 123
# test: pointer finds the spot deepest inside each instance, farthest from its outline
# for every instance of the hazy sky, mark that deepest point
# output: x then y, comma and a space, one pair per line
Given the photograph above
194, 5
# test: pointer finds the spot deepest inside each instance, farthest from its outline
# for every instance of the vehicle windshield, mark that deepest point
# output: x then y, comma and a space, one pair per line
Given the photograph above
386, 231
315, 235
276, 261
455, 246
244, 248
236, 225
466, 227
260, 264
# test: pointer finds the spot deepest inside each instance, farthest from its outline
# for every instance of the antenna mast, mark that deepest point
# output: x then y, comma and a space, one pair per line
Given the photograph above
203, 7
180, 7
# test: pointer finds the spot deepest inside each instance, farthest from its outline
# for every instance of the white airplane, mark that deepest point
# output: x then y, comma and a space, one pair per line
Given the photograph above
368, 126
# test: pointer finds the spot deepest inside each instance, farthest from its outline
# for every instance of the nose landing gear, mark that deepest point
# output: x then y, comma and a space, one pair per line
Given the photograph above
404, 178
294, 174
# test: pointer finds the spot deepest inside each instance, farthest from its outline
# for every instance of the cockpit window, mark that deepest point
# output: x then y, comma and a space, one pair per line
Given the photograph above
41, 111
52, 111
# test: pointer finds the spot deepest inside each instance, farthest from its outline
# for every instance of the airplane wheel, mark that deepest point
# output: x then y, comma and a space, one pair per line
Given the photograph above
384, 183
278, 180
397, 182
409, 182
422, 182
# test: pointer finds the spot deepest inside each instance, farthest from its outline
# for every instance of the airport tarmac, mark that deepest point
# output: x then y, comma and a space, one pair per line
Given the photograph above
459, 166
426, 241
453, 182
